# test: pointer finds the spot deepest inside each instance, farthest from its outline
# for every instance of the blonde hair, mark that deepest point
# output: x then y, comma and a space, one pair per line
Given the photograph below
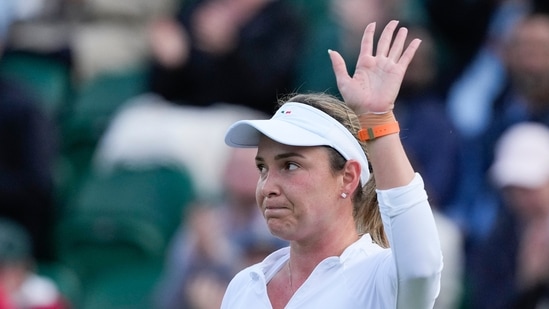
366, 212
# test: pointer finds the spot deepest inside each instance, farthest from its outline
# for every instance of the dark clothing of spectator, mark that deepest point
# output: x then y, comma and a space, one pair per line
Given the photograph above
433, 147
255, 74
492, 271
26, 156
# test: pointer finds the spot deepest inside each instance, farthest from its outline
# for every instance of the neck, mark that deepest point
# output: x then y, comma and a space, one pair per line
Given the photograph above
304, 257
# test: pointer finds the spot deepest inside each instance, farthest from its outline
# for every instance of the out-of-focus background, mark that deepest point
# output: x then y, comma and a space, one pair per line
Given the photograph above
117, 190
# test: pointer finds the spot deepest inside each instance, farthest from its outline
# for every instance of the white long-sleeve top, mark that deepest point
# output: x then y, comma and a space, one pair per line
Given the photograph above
365, 275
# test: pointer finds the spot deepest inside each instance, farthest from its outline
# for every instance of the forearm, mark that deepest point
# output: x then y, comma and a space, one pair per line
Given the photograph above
414, 241
390, 164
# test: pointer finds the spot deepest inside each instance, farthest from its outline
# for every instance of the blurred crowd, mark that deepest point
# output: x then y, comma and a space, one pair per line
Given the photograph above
117, 191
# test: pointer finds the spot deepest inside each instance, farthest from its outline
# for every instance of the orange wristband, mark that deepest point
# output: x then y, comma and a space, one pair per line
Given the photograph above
369, 134
377, 125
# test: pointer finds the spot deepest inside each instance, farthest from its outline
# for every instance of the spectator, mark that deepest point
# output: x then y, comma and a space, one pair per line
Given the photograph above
522, 96
229, 51
27, 150
471, 94
527, 51
513, 259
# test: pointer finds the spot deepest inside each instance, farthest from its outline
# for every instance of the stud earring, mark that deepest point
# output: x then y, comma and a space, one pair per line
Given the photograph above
343, 195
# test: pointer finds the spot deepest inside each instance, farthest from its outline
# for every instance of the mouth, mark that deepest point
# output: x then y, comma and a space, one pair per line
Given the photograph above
274, 211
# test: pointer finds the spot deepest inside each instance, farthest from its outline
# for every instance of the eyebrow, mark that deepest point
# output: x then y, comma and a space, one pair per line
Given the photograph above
283, 156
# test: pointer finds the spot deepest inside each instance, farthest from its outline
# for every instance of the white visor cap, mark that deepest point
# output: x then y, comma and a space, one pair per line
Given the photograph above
298, 124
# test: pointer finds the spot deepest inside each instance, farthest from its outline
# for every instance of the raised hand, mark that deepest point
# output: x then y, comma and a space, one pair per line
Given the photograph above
376, 82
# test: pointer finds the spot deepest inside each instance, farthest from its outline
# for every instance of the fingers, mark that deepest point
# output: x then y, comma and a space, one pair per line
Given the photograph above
384, 43
398, 44
409, 53
367, 44
393, 49
339, 67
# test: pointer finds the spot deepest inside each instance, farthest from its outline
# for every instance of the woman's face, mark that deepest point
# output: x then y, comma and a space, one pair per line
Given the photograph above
297, 192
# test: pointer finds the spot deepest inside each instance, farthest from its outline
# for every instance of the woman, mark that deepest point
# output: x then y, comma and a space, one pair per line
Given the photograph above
315, 191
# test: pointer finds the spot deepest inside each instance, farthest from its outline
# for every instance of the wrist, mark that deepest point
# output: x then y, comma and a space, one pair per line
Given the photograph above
375, 125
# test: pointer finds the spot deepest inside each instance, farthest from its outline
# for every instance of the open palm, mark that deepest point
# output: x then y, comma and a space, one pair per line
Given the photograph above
376, 82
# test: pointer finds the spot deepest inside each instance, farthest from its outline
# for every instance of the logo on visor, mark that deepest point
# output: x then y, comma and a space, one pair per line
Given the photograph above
286, 112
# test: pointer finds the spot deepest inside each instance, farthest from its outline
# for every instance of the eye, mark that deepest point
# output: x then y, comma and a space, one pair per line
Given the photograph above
291, 166
261, 168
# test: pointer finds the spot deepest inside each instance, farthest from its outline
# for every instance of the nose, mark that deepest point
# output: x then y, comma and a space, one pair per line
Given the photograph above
267, 185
